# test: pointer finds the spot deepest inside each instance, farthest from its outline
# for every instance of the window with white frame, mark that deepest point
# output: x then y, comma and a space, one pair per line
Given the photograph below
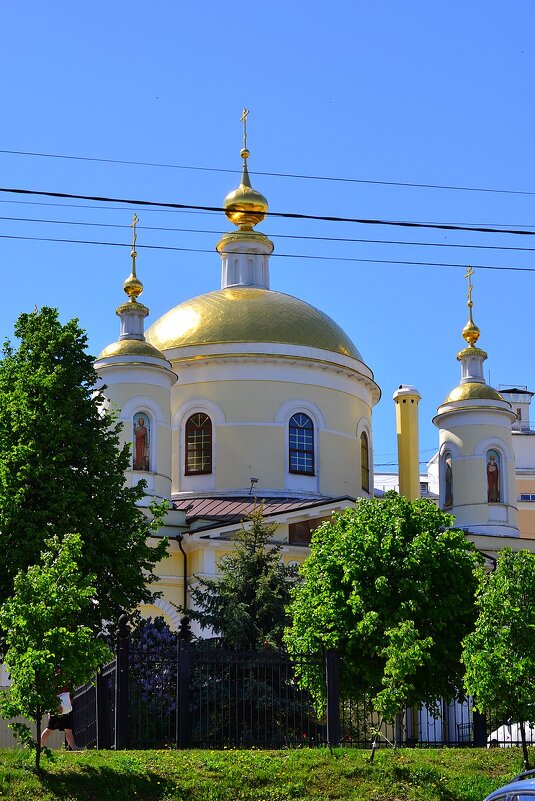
198, 436
301, 444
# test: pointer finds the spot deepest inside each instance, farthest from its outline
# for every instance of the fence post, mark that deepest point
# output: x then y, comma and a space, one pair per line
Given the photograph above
121, 684
183, 680
101, 704
479, 722
332, 668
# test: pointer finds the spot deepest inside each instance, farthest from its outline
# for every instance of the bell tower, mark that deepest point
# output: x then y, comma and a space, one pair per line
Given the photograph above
477, 463
137, 380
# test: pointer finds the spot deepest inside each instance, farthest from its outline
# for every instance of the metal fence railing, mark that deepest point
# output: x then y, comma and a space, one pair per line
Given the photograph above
205, 697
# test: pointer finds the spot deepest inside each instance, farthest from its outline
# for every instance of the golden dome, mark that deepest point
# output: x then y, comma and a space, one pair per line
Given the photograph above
245, 206
131, 347
249, 314
471, 332
133, 286
473, 391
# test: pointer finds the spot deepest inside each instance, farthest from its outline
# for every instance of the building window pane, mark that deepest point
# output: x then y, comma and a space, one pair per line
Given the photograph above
447, 465
301, 533
198, 444
365, 461
301, 449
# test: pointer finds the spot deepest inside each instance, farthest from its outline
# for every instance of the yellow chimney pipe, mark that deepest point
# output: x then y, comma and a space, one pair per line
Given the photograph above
406, 399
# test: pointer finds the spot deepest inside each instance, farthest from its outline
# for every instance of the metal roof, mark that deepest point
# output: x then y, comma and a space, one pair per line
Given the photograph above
224, 510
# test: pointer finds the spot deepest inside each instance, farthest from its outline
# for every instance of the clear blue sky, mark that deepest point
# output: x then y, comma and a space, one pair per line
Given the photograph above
416, 92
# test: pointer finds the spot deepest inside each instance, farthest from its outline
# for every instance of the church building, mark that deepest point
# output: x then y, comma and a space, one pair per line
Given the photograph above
246, 395
239, 396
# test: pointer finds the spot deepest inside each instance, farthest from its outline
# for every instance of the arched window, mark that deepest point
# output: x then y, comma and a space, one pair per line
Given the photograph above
141, 443
448, 480
301, 439
198, 444
365, 461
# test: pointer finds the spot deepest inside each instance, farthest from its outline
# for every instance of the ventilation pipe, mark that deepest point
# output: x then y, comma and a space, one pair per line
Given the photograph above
406, 399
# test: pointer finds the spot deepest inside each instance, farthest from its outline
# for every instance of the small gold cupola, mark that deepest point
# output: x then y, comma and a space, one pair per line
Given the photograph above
245, 252
472, 385
244, 206
133, 286
471, 332
132, 315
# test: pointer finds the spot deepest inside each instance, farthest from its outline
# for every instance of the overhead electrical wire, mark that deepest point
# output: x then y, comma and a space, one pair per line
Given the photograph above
408, 184
286, 215
156, 210
345, 240
277, 255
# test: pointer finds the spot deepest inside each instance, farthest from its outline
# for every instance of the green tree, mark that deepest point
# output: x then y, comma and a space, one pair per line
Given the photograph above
390, 586
47, 642
245, 606
499, 654
62, 467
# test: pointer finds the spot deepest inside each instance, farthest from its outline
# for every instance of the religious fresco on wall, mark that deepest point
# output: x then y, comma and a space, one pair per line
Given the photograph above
141, 442
493, 476
448, 481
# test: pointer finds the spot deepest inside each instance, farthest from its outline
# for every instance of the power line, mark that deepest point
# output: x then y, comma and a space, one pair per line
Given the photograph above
286, 215
277, 255
301, 176
468, 226
273, 236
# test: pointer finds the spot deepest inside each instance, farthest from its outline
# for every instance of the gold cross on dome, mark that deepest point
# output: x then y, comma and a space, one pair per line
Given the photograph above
243, 120
469, 274
133, 224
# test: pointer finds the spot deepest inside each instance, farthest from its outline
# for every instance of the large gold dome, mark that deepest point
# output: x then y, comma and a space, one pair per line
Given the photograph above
248, 314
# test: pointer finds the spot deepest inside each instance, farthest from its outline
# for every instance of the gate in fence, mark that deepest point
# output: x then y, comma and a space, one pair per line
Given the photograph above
205, 697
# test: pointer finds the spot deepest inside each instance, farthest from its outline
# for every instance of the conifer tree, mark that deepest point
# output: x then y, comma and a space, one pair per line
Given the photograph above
245, 606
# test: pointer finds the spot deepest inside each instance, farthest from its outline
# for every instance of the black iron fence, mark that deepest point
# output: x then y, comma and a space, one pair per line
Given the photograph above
204, 697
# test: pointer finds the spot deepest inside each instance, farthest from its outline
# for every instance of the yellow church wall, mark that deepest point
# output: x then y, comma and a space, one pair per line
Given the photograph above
339, 466
469, 436
152, 611
251, 401
526, 522
245, 451
470, 477
122, 393
525, 484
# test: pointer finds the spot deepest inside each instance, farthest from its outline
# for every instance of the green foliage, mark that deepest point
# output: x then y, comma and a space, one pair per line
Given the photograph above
391, 588
48, 644
500, 653
62, 467
406, 654
245, 605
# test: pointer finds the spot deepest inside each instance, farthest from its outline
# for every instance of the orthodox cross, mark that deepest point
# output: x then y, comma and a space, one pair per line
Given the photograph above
133, 224
243, 120
469, 274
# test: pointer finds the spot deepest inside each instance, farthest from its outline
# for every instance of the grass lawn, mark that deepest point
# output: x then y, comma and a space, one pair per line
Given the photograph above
306, 775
